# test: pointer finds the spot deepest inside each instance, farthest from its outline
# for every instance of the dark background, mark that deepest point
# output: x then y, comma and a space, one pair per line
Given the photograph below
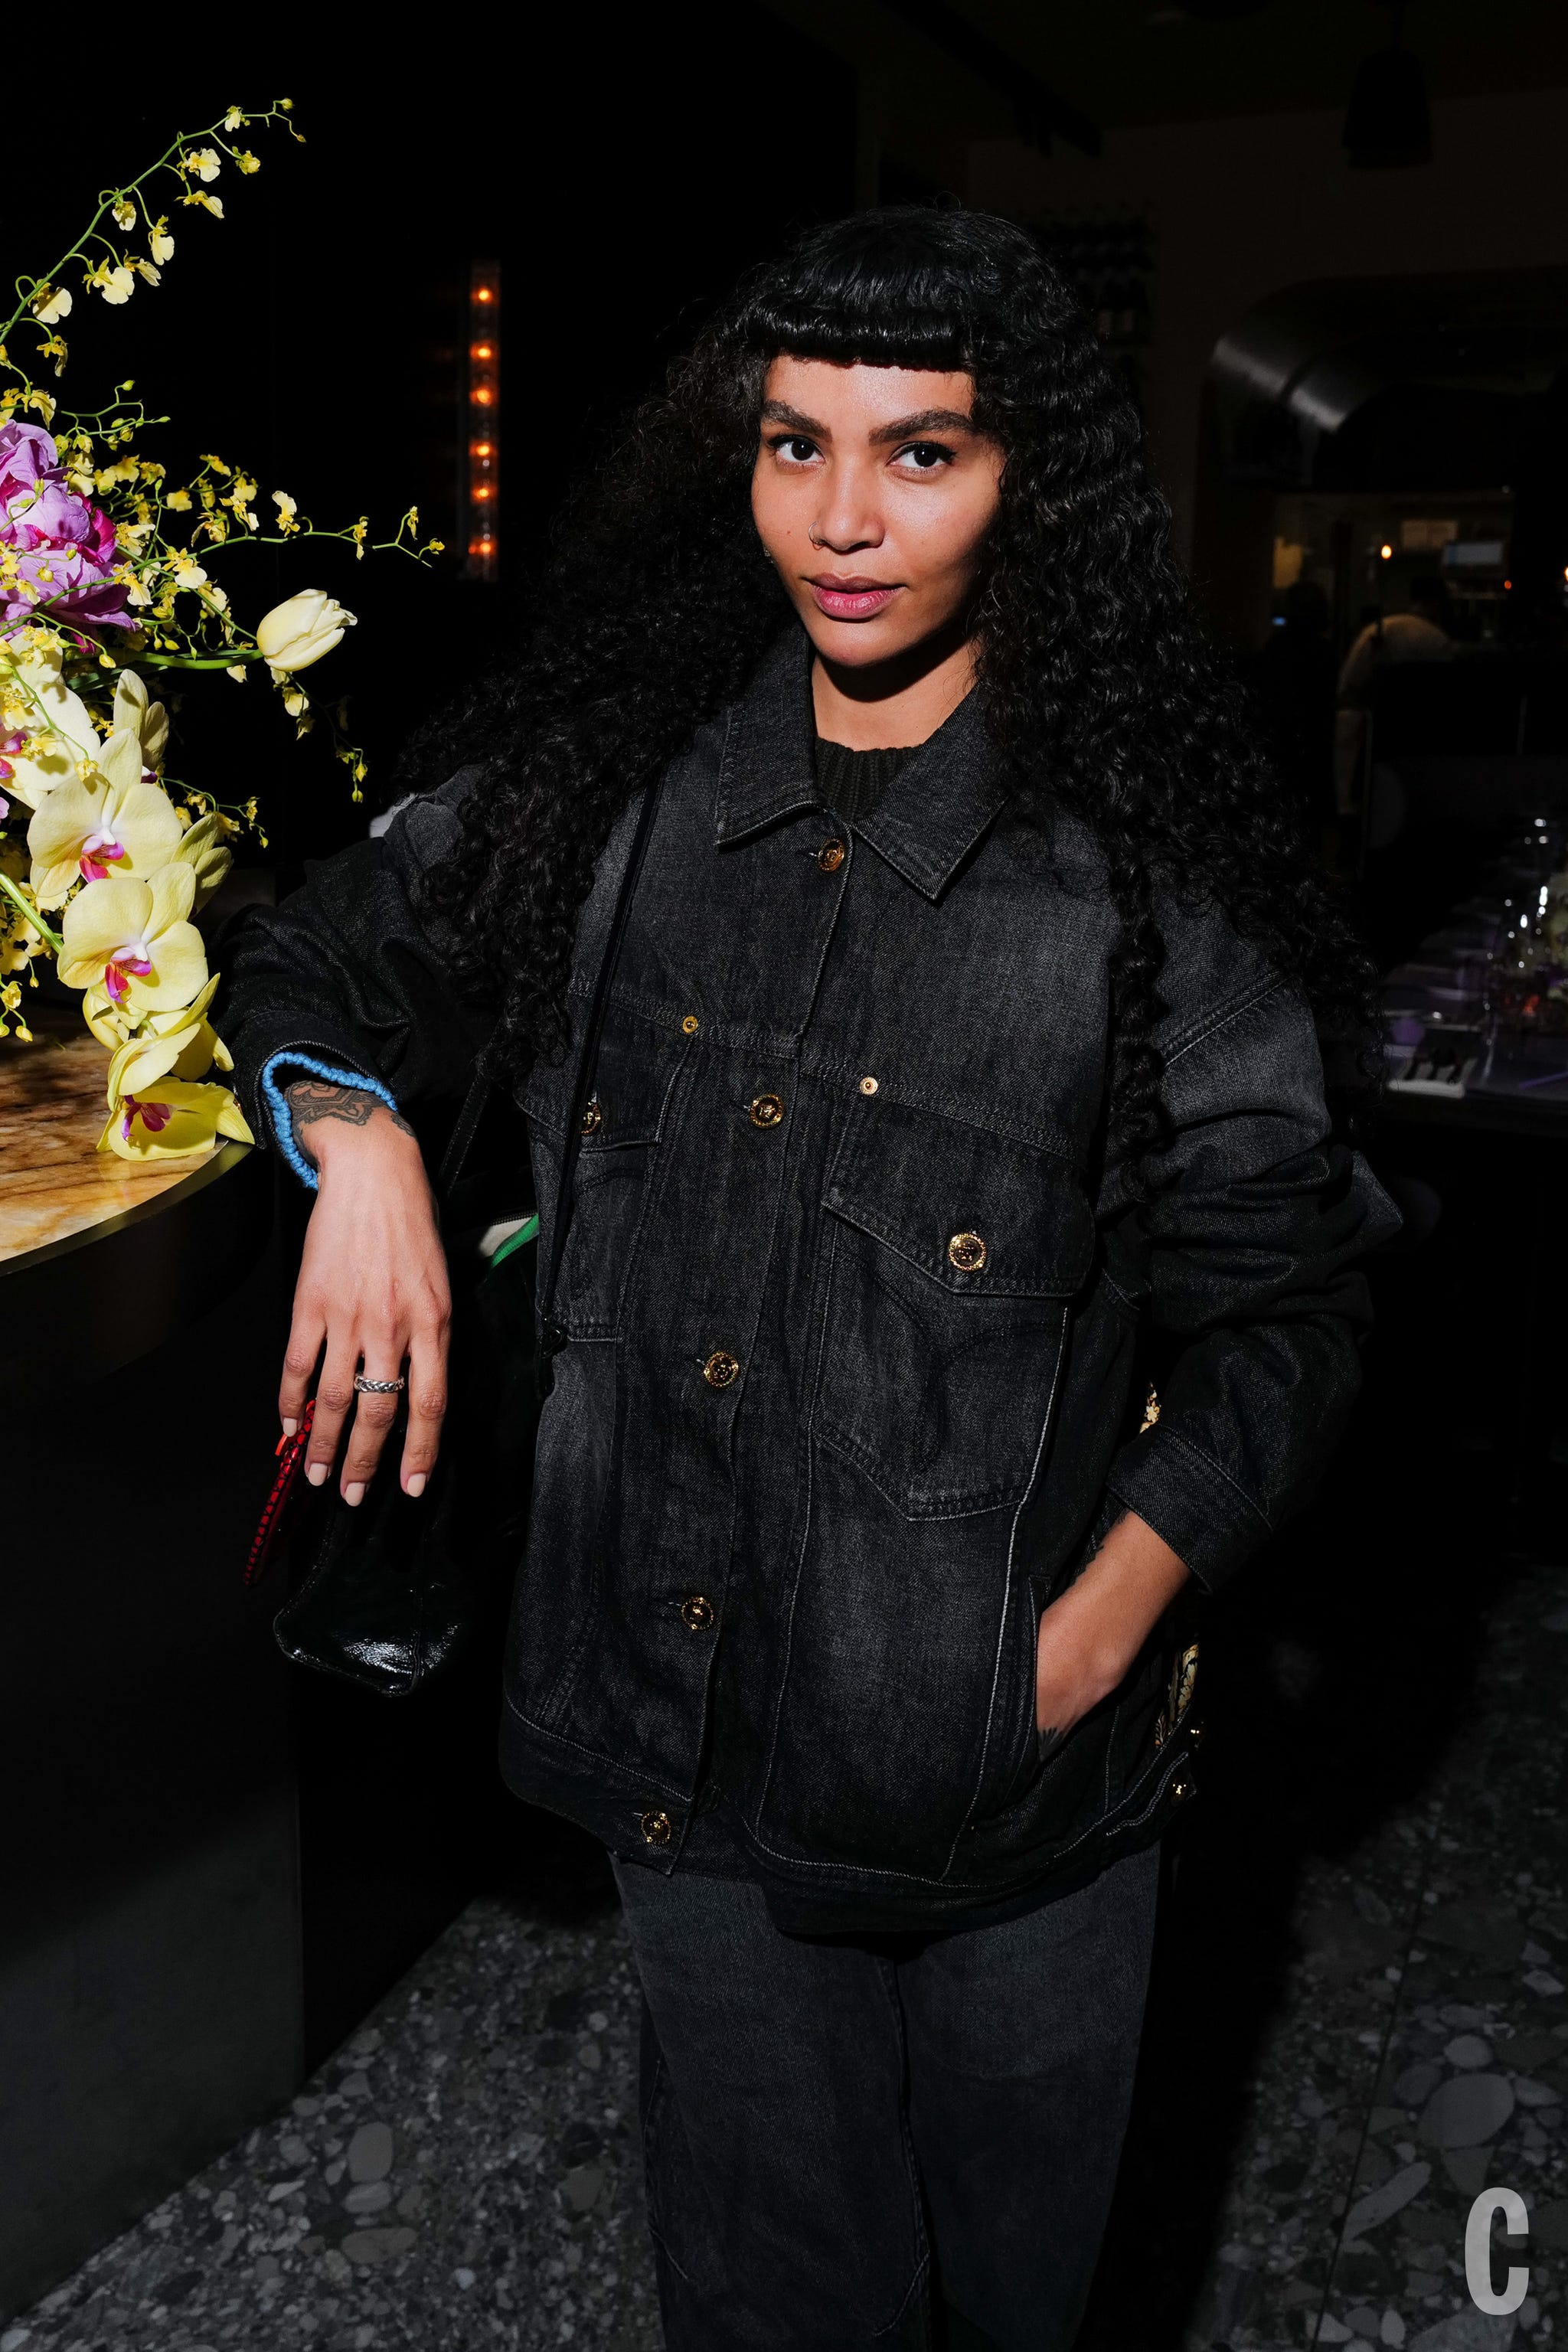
317, 334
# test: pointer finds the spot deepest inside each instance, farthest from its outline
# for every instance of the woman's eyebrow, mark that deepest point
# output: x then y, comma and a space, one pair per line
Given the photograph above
929, 420
779, 412
902, 428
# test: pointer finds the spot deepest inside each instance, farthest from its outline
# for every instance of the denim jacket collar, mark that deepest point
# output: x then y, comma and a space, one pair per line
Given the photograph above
931, 815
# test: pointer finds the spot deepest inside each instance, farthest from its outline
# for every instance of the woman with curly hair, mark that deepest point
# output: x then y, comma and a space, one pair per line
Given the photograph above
959, 1070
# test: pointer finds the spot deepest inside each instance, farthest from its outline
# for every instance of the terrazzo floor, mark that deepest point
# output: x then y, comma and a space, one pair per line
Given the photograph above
464, 2173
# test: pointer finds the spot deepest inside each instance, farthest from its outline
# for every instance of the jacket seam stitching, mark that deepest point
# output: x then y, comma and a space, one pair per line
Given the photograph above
1207, 1461
683, 1797
1221, 1019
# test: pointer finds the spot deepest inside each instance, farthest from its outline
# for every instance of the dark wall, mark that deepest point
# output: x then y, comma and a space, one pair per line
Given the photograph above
623, 176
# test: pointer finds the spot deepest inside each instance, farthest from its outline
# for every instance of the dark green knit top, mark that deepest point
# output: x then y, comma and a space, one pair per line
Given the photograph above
854, 781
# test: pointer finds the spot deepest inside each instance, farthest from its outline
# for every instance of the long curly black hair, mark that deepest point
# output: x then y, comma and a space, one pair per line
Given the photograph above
1097, 684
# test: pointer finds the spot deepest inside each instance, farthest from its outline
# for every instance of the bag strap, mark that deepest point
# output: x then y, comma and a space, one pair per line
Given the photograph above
461, 1138
466, 1125
552, 1335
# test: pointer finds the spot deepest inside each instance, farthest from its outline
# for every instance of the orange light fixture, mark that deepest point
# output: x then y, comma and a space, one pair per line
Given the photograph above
480, 484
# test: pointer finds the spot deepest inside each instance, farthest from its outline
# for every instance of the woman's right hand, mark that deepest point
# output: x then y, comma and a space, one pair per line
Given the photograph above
372, 1290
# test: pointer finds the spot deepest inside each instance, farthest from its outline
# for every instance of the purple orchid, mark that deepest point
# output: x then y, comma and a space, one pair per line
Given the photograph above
65, 546
27, 453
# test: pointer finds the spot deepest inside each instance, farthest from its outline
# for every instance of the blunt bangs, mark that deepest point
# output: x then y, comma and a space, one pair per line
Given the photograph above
903, 286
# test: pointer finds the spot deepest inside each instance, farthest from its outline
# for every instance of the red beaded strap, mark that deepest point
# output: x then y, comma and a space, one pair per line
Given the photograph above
290, 1452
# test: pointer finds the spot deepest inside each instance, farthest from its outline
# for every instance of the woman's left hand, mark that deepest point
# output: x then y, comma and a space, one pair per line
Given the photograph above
1091, 1633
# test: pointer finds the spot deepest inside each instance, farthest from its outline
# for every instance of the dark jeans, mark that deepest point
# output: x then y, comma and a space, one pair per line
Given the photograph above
833, 2130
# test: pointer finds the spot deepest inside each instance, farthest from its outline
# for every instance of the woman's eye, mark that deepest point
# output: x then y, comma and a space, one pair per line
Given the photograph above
923, 457
796, 449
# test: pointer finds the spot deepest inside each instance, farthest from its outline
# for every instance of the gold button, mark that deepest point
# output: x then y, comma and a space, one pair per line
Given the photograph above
697, 1611
868, 1085
968, 1252
593, 1118
766, 1110
656, 1828
1182, 1789
720, 1368
830, 857
1196, 1735
691, 1025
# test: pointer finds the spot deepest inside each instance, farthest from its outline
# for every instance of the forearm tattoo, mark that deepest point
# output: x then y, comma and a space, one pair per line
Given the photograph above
310, 1099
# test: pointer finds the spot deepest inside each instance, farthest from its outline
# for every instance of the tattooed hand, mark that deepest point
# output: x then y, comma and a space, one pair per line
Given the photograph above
372, 1292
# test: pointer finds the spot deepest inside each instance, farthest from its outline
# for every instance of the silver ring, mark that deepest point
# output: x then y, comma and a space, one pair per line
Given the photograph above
378, 1387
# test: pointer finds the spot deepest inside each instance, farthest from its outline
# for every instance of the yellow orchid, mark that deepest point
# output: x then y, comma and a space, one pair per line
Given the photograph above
150, 720
114, 824
133, 940
116, 285
52, 722
19, 942
107, 1024
182, 1044
205, 850
11, 1003
173, 1119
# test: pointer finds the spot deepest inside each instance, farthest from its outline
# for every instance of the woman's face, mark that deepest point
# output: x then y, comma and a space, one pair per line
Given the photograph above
872, 494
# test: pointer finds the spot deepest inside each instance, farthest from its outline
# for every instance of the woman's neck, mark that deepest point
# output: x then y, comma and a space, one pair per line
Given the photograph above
893, 703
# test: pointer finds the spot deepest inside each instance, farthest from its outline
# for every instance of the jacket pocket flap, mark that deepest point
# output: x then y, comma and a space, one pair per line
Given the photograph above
635, 1076
981, 1213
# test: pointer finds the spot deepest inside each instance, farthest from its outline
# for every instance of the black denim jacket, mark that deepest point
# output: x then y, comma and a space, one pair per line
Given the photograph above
858, 1313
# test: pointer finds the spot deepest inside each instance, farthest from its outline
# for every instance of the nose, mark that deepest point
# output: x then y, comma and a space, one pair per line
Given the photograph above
846, 516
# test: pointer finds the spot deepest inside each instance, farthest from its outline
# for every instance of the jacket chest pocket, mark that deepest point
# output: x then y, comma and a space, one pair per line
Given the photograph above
628, 1116
953, 1255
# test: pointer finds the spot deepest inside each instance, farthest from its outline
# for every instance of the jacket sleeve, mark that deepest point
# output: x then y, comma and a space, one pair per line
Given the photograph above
345, 979
1247, 1263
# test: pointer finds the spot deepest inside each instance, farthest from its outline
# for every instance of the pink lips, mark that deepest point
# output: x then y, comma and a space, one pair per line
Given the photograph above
850, 599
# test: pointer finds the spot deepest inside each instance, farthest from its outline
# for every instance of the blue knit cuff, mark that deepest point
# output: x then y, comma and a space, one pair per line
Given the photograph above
282, 1119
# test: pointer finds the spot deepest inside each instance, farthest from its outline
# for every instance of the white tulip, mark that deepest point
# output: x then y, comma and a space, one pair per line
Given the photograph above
296, 634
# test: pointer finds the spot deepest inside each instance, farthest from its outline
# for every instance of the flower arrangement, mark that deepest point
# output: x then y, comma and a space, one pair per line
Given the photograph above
104, 585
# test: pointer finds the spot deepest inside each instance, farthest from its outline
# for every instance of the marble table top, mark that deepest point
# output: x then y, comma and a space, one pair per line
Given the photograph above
54, 1182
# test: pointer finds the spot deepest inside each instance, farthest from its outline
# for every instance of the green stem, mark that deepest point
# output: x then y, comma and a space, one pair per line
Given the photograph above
34, 919
107, 196
50, 726
286, 539
193, 661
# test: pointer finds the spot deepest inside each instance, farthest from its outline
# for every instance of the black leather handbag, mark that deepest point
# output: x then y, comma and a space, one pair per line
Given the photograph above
390, 1592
